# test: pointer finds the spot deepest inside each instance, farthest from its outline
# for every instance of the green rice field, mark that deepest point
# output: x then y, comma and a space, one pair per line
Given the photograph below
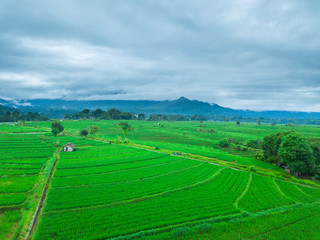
108, 189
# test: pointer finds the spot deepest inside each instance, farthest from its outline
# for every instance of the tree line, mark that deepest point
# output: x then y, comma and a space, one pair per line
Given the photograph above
261, 120
15, 116
115, 114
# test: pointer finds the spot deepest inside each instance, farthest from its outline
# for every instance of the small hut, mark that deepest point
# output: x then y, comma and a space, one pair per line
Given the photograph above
69, 147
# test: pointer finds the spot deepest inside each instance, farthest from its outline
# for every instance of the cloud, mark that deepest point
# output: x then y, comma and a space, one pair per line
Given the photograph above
25, 79
241, 54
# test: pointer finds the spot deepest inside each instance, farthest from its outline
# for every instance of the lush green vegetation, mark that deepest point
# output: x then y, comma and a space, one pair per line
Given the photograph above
184, 180
296, 222
24, 153
291, 150
263, 194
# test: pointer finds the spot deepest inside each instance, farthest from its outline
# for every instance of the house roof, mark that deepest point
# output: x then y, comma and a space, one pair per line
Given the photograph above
69, 144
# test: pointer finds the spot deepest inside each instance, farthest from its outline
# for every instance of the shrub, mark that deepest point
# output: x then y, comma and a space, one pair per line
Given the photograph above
253, 169
93, 129
224, 143
254, 143
84, 132
241, 148
259, 156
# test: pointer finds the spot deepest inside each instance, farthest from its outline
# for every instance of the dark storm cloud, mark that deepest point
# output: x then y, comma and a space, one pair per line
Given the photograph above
240, 54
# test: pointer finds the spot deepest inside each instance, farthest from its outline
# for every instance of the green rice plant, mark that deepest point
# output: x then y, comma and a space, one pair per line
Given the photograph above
311, 191
12, 172
92, 152
125, 174
111, 168
263, 194
294, 223
12, 199
106, 193
182, 231
292, 191
27, 160
20, 166
8, 221
201, 201
110, 160
17, 184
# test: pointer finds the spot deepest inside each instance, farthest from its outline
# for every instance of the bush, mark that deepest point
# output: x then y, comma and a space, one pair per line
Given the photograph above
254, 143
84, 132
259, 156
253, 169
224, 143
241, 148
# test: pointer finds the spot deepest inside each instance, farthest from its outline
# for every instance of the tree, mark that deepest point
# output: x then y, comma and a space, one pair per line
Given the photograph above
316, 152
127, 115
113, 113
158, 117
271, 144
238, 122
85, 113
259, 121
56, 128
84, 132
29, 116
93, 129
197, 117
15, 115
8, 116
125, 128
98, 113
67, 116
296, 153
141, 116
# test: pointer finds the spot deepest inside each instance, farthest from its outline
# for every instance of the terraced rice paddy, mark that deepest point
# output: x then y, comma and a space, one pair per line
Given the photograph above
22, 158
105, 191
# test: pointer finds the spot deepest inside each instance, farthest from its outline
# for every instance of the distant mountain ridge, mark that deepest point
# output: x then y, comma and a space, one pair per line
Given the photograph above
183, 106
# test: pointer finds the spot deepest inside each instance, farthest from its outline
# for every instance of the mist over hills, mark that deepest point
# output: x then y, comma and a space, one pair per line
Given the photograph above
184, 106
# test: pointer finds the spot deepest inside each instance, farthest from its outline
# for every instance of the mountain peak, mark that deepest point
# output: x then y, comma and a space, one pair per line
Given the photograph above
182, 99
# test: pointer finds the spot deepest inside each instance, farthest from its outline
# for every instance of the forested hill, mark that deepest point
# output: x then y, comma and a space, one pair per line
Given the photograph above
183, 106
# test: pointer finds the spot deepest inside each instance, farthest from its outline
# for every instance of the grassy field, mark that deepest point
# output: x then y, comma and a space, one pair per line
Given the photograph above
141, 190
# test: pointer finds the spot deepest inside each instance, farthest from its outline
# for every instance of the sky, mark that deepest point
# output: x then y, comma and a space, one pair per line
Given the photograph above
243, 54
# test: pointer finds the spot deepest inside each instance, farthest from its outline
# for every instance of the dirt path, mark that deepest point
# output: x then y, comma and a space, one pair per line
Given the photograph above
35, 219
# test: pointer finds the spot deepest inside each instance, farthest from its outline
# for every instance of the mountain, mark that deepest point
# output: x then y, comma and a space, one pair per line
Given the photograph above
183, 105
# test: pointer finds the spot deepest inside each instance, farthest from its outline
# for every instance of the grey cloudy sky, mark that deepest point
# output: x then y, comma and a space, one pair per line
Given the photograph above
250, 54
